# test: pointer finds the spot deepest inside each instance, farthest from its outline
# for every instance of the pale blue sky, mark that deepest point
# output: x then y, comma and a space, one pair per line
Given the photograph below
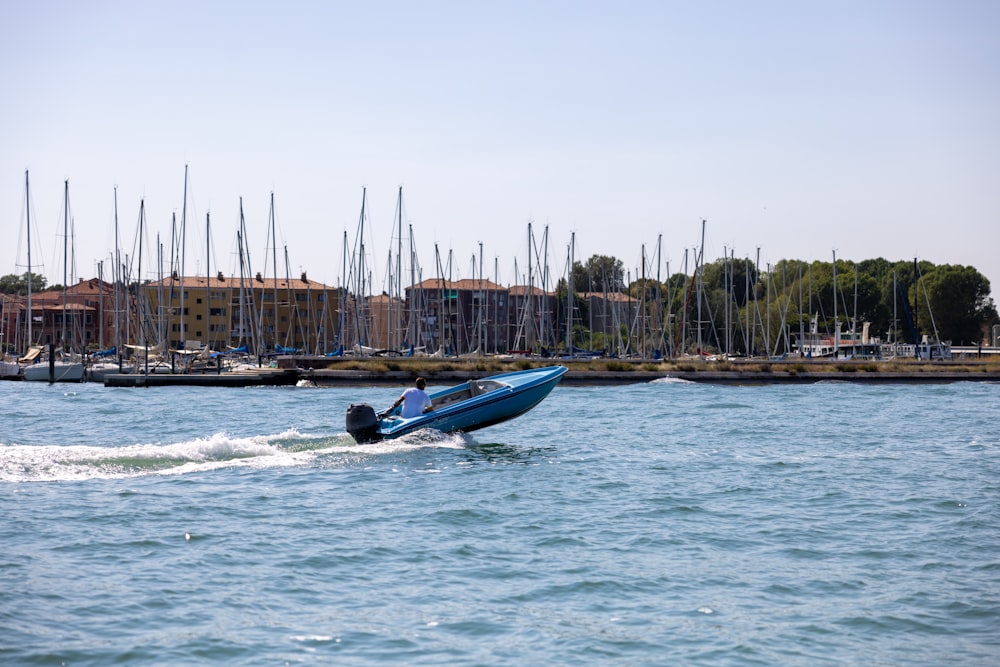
800, 128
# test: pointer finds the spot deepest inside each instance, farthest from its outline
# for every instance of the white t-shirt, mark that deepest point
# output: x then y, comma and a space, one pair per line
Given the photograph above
414, 402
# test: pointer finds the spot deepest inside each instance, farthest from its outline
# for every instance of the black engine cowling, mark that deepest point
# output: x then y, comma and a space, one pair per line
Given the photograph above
362, 423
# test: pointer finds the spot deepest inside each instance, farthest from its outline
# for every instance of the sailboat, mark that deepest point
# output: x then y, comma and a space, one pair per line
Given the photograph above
61, 369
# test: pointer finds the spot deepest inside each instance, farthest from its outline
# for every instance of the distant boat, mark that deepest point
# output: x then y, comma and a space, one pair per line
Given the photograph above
103, 363
465, 407
62, 369
9, 370
926, 350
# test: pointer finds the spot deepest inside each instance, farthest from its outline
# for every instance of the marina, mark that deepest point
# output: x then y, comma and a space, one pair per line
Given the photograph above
156, 318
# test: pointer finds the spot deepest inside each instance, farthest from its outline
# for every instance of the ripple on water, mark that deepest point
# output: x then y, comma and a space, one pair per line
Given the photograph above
736, 526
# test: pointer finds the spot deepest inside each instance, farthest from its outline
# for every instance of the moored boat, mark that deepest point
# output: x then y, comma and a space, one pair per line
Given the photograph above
56, 371
465, 407
9, 370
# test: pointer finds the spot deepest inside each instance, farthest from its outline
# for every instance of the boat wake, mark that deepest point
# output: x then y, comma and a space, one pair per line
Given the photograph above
671, 380
59, 463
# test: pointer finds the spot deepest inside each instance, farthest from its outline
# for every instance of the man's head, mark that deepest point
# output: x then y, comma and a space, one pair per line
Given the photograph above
421, 383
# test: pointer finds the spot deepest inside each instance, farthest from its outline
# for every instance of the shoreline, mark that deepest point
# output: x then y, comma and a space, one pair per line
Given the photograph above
397, 372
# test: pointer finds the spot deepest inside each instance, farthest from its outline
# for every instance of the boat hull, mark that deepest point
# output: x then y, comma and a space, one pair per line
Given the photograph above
9, 370
62, 372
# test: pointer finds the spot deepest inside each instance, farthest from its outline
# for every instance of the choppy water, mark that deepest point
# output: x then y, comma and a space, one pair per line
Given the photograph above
664, 523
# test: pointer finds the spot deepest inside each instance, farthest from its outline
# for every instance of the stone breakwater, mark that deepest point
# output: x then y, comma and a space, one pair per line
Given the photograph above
389, 372
392, 372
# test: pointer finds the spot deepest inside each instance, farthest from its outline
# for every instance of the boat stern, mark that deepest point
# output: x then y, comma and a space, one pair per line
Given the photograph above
362, 423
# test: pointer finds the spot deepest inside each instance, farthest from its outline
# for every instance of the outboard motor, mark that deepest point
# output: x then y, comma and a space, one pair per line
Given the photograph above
362, 423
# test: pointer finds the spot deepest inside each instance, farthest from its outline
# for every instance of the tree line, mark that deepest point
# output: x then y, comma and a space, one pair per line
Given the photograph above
902, 300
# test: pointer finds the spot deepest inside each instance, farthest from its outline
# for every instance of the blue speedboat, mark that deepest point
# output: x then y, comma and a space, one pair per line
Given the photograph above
465, 407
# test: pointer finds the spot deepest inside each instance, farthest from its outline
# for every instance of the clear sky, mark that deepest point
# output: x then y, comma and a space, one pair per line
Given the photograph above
800, 128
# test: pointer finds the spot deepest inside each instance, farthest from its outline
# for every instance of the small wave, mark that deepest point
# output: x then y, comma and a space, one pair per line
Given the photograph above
671, 380
727, 406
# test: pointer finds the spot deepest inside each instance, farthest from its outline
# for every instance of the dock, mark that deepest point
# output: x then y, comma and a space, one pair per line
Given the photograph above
264, 377
380, 373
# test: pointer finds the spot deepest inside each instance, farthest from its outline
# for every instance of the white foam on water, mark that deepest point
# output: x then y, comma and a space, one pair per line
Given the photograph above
671, 380
58, 463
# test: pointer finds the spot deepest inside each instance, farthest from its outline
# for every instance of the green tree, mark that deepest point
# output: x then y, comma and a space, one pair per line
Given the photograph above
959, 301
600, 273
14, 284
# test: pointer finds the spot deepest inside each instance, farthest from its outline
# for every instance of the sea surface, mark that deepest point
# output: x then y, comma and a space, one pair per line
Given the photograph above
665, 523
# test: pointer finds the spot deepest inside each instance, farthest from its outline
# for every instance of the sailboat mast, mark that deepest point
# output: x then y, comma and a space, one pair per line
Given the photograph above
727, 293
138, 282
496, 316
668, 325
543, 301
116, 277
396, 338
836, 323
895, 334
659, 295
440, 314
413, 327
854, 317
65, 257
342, 298
699, 268
183, 333
274, 277
208, 276
480, 330
642, 304
767, 312
27, 209
360, 311
141, 295
100, 304
529, 310
569, 294
243, 317
293, 308
244, 270
802, 331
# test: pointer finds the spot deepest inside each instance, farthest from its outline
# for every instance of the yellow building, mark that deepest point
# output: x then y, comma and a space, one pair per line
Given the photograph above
264, 314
